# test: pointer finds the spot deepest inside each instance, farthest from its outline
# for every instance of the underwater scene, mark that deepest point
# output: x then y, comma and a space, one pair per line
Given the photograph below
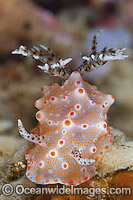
66, 100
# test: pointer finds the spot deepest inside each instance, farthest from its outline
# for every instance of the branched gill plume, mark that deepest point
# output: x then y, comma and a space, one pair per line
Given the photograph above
57, 67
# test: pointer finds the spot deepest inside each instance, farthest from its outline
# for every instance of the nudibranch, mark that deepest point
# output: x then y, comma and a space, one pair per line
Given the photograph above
72, 134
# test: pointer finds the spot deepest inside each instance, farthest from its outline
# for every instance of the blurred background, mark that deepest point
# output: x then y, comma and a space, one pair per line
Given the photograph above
67, 27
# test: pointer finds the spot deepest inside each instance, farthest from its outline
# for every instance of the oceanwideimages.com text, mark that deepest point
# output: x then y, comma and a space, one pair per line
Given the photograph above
8, 189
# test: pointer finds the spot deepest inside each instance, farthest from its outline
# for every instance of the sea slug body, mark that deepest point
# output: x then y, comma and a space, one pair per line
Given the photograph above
71, 136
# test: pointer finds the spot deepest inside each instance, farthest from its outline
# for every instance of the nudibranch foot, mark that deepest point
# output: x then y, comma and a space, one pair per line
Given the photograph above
38, 139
